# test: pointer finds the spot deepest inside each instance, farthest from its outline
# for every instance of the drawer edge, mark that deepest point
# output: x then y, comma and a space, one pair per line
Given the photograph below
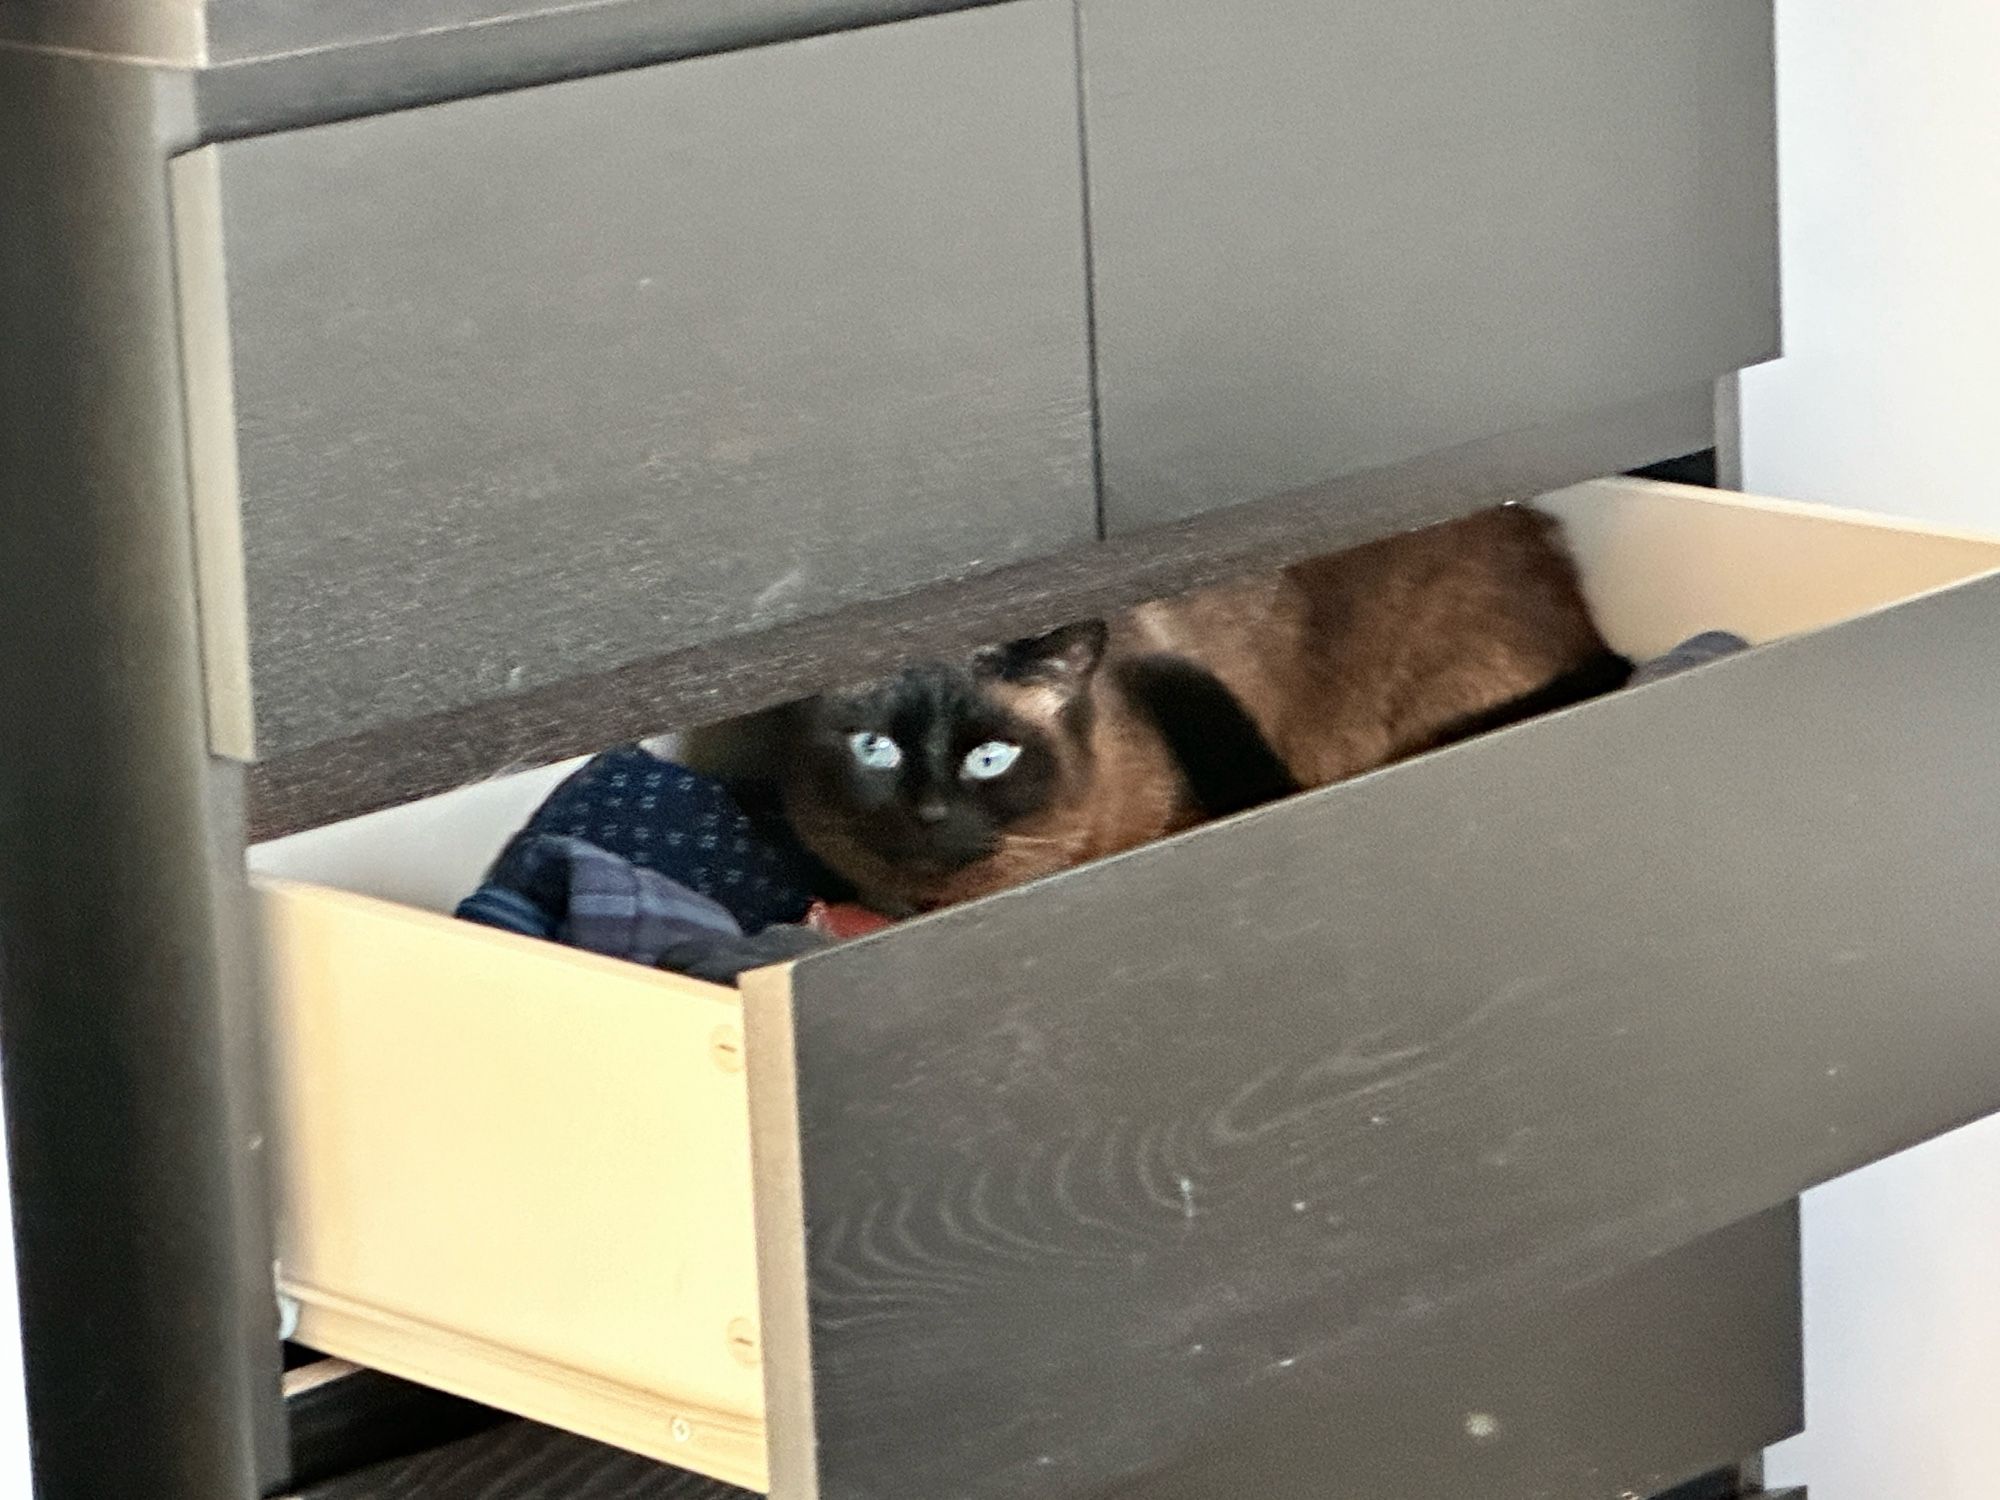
777, 1179
724, 1445
380, 768
214, 483
1531, 1013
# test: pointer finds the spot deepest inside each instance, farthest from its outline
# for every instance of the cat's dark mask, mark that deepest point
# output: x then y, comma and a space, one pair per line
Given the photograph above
904, 786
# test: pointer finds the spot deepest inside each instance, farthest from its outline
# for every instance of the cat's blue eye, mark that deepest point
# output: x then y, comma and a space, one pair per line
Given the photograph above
994, 758
875, 751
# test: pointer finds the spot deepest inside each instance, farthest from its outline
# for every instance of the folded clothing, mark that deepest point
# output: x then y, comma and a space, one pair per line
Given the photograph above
567, 890
723, 960
1692, 652
665, 818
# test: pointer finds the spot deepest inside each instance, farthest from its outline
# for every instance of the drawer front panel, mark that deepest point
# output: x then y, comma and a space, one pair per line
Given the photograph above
1328, 237
1167, 1150
548, 382
1691, 1362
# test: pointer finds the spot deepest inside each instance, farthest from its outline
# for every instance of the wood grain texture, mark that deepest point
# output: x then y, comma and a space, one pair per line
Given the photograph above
1328, 236
1238, 1115
1682, 1364
522, 1461
436, 752
543, 383
361, 1418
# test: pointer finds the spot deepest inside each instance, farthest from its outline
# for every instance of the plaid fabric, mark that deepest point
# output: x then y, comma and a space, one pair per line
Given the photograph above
636, 858
552, 886
724, 960
687, 827
564, 889
1696, 651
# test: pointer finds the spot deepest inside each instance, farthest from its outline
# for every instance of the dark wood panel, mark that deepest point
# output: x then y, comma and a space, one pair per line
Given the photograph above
1702, 469
1690, 1357
527, 1462
282, 64
547, 382
357, 1418
1328, 236
247, 1086
1689, 1361
147, 1332
1724, 1484
239, 30
523, 1461
367, 73
1236, 1115
436, 752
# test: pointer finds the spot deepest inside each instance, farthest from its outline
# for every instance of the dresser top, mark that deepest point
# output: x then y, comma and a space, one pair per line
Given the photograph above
223, 32
265, 65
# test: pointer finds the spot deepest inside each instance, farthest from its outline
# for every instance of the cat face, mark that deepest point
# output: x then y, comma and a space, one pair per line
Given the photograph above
925, 788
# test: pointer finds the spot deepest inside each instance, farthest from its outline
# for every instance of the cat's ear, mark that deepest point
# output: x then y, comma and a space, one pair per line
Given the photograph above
1063, 659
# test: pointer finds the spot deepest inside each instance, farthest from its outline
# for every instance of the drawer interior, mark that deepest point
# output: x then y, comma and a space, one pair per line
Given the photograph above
1662, 562
526, 1174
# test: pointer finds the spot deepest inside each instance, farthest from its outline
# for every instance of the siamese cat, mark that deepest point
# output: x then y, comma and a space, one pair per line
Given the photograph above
950, 781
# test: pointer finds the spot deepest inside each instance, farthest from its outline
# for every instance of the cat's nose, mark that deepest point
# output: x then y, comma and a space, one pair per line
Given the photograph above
932, 810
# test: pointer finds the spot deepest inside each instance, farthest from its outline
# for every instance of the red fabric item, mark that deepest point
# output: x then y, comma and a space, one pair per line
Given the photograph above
843, 919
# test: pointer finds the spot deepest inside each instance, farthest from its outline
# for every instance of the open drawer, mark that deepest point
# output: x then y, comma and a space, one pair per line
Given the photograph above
1042, 1194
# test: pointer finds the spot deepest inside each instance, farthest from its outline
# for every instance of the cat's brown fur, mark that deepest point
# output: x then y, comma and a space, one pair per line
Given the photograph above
1354, 660
1343, 664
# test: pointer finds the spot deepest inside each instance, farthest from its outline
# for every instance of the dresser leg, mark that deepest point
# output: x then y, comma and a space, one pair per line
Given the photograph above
148, 1324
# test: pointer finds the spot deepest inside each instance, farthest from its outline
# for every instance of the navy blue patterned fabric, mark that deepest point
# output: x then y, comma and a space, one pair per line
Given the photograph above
660, 816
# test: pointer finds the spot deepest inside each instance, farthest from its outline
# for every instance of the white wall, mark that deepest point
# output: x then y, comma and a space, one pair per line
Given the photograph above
1889, 143
1889, 399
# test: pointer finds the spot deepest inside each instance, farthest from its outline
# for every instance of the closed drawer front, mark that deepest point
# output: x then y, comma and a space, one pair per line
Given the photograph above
495, 393
1327, 237
1184, 1149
